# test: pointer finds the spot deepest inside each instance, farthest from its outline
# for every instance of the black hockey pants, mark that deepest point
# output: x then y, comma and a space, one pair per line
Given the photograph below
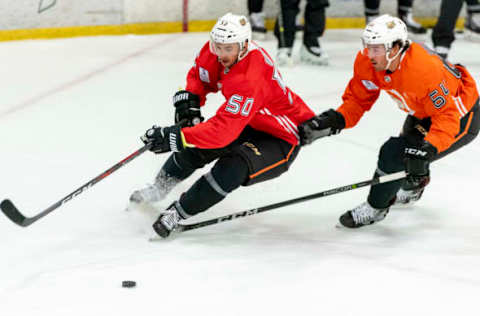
254, 157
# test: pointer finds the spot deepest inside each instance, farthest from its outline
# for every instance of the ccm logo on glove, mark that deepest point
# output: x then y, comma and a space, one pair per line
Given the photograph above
415, 152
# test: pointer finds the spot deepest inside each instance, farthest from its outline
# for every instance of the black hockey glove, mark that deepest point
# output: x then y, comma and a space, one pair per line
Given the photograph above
164, 139
417, 162
328, 123
187, 108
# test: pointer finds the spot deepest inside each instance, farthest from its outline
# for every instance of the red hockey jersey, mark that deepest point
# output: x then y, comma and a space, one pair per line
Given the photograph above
423, 85
255, 95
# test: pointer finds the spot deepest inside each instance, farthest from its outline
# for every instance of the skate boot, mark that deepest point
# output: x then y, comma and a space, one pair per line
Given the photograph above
299, 27
155, 192
313, 55
472, 26
370, 18
362, 215
413, 26
284, 56
167, 221
442, 51
408, 197
257, 21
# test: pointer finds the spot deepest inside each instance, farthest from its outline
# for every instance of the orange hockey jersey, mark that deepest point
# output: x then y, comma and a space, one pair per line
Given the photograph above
423, 85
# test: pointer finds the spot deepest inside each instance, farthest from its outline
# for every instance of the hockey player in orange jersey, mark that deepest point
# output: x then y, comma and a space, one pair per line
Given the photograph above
441, 101
253, 137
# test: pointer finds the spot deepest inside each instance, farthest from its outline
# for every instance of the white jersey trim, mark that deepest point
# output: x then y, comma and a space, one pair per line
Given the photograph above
285, 122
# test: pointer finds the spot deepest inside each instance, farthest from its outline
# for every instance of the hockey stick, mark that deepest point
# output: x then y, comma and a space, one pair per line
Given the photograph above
253, 211
9, 209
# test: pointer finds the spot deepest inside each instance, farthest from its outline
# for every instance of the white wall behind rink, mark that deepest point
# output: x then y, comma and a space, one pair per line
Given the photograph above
28, 14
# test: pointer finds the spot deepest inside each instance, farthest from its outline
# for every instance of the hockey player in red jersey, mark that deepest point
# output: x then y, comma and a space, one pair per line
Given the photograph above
442, 105
253, 136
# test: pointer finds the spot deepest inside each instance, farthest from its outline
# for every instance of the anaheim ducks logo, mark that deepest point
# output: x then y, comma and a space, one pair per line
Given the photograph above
391, 24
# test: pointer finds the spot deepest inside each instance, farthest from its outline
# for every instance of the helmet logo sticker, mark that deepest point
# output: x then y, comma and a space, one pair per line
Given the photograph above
391, 24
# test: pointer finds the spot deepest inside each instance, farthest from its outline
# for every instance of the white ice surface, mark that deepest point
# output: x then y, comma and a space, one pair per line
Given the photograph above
71, 108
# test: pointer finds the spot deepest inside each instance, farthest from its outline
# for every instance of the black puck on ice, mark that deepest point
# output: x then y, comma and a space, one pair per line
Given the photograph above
128, 283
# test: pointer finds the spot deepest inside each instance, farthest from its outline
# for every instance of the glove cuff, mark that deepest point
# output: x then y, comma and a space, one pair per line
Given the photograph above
336, 119
184, 96
175, 139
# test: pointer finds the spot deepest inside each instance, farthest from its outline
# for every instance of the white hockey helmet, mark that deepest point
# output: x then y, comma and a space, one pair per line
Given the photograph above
231, 28
386, 30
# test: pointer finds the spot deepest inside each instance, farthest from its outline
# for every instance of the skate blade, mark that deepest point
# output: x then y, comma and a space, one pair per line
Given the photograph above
155, 238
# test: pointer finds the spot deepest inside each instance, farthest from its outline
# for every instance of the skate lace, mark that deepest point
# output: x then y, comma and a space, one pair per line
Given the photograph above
170, 219
405, 197
364, 213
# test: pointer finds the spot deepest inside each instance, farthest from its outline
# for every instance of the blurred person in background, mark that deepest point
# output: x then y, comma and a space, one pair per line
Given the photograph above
311, 52
443, 33
257, 19
404, 11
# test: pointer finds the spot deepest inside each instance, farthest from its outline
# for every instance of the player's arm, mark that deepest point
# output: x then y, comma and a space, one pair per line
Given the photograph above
361, 92
187, 102
358, 98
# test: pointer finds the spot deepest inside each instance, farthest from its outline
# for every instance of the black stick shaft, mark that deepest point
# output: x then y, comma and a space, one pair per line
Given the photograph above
9, 209
253, 211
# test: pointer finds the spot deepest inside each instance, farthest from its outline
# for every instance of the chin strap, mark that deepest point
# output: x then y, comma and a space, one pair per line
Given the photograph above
400, 51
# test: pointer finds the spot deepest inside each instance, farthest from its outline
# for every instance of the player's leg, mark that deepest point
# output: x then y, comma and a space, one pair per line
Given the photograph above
372, 10
257, 16
311, 51
178, 167
443, 33
285, 30
381, 196
472, 21
390, 160
261, 158
405, 13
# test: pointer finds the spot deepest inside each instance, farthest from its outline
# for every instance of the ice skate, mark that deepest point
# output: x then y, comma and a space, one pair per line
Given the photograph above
284, 57
409, 197
313, 55
154, 192
412, 26
362, 215
257, 21
442, 51
167, 221
472, 27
